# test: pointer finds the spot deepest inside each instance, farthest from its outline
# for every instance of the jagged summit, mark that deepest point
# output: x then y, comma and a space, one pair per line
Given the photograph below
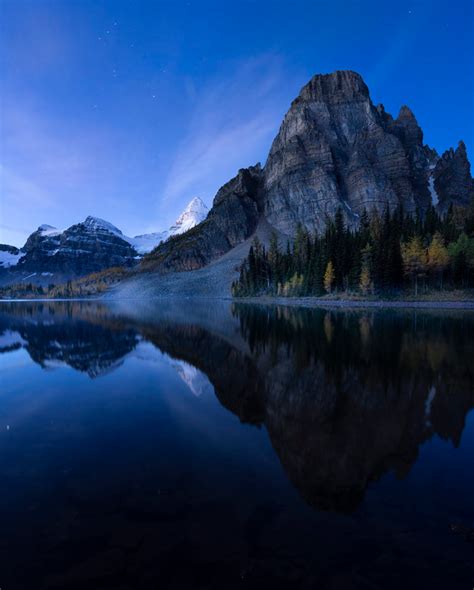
98, 224
339, 87
194, 213
196, 205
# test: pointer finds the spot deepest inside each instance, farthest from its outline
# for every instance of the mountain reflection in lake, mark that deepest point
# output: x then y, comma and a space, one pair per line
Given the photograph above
208, 445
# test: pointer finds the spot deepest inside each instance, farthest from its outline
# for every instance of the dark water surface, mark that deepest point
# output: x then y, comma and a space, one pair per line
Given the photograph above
207, 445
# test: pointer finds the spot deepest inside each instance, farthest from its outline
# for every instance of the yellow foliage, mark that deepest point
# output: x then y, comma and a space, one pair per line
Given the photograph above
329, 277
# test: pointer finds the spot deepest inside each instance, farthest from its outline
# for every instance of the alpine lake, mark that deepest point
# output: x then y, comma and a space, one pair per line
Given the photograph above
180, 444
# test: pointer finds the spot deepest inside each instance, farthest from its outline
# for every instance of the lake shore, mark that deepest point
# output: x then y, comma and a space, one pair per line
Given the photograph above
316, 302
358, 303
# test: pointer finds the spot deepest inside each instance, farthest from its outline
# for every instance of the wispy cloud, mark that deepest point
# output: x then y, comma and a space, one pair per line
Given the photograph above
233, 122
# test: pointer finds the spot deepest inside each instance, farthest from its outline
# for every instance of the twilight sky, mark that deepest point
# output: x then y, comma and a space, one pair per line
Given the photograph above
127, 109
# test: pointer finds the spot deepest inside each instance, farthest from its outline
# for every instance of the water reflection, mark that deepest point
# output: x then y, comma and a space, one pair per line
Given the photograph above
344, 396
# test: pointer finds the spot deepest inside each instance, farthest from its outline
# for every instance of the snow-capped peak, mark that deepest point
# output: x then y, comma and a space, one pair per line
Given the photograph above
98, 224
195, 212
196, 206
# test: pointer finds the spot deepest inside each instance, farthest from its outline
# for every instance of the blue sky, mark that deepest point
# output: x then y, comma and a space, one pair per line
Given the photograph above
128, 109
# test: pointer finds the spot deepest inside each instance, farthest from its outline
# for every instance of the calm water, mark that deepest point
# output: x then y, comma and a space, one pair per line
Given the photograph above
231, 446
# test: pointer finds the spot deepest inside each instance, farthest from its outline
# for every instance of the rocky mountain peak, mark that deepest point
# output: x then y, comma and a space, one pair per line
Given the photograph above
196, 205
98, 224
195, 208
339, 87
461, 150
452, 178
406, 128
46, 228
194, 213
406, 114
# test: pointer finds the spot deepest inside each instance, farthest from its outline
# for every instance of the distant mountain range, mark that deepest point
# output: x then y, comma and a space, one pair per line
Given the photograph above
50, 254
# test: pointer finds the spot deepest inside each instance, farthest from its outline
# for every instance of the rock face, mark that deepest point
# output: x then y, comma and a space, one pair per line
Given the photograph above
335, 148
452, 179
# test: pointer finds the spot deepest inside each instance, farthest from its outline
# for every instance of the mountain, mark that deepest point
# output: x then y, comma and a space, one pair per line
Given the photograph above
51, 254
85, 247
335, 149
195, 212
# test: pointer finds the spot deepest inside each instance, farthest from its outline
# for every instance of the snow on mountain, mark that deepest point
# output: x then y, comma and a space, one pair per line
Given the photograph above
195, 212
197, 381
10, 257
146, 242
96, 224
433, 193
11, 339
49, 230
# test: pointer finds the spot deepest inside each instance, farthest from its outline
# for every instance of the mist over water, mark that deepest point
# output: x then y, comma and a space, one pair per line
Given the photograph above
214, 445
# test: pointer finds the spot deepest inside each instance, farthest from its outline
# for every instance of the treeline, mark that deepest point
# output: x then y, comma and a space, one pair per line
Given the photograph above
386, 253
88, 286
